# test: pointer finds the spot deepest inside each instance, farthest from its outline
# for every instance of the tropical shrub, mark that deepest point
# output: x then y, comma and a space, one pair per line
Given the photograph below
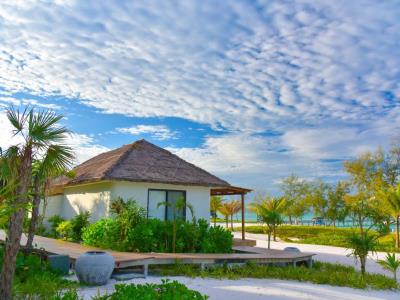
167, 290
127, 213
217, 240
103, 234
34, 279
54, 222
64, 230
390, 263
78, 223
319, 273
154, 235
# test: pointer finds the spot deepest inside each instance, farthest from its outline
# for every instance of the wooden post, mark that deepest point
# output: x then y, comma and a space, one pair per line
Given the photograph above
243, 229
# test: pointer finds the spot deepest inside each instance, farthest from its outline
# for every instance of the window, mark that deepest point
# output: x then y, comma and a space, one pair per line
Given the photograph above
165, 212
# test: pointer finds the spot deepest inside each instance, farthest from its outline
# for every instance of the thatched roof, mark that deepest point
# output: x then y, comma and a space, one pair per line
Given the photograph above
140, 162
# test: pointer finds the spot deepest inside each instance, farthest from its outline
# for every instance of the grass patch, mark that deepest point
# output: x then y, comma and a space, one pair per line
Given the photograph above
320, 273
321, 235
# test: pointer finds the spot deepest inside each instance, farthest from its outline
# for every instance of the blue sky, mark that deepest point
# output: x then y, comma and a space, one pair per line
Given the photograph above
249, 90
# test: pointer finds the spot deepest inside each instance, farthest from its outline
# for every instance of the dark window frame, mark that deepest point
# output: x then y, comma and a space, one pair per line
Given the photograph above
166, 199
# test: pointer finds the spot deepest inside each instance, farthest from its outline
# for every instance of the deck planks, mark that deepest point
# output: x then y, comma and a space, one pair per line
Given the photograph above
129, 259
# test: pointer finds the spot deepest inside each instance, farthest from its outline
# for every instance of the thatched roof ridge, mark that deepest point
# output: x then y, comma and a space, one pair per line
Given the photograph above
141, 161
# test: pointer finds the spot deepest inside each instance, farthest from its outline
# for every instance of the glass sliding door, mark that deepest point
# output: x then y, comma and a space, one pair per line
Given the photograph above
165, 212
172, 198
155, 197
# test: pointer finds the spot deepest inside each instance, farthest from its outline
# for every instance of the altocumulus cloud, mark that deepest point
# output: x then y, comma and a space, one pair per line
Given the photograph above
157, 132
306, 69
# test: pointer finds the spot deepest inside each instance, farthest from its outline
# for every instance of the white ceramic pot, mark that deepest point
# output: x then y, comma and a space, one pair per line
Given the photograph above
94, 267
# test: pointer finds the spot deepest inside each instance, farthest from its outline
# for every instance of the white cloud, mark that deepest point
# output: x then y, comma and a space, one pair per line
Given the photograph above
258, 162
324, 74
233, 64
84, 147
158, 132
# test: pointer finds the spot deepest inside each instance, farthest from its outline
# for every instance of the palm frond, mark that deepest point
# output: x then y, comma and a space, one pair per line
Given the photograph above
18, 119
43, 128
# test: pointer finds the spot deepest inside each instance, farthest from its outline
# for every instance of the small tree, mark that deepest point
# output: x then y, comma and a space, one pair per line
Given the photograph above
365, 175
317, 197
269, 212
228, 209
337, 210
177, 207
127, 213
390, 263
360, 246
295, 192
38, 131
391, 198
56, 161
215, 205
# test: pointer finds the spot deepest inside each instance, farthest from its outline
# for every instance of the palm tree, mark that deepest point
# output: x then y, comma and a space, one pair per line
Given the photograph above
225, 211
360, 245
39, 131
228, 209
391, 196
215, 205
56, 161
177, 207
390, 263
269, 211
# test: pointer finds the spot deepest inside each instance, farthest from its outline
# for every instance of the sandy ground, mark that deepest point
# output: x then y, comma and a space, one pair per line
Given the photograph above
250, 289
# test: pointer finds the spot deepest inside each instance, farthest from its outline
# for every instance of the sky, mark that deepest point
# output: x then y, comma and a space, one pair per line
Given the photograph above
252, 91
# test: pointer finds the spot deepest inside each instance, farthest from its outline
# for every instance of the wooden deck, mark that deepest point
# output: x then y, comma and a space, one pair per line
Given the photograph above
129, 259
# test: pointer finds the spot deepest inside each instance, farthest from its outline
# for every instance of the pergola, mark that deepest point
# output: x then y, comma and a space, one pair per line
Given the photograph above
229, 191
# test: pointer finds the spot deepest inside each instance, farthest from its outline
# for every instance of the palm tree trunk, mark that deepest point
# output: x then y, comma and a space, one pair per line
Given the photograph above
269, 239
173, 236
232, 221
226, 220
35, 215
362, 263
397, 233
15, 228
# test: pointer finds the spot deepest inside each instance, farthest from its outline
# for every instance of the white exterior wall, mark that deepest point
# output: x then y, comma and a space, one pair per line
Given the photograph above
197, 196
96, 198
53, 206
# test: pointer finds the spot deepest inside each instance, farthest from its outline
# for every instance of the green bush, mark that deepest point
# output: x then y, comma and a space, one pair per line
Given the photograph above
103, 234
127, 213
54, 222
79, 223
167, 290
34, 279
154, 235
217, 240
72, 230
64, 230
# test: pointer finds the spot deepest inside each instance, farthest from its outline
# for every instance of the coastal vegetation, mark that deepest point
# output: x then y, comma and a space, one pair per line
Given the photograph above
320, 273
130, 230
322, 235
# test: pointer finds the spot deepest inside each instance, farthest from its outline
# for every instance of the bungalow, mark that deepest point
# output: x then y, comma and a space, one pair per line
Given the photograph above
141, 171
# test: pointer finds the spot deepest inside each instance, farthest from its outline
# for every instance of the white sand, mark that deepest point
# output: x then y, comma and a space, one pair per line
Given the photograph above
250, 289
